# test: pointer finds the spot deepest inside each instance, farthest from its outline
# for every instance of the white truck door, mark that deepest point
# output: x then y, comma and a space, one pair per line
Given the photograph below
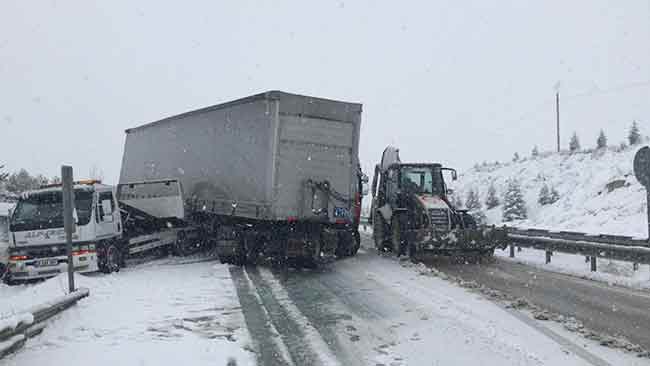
105, 215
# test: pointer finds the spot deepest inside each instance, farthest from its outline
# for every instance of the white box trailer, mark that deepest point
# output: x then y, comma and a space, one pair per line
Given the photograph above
272, 160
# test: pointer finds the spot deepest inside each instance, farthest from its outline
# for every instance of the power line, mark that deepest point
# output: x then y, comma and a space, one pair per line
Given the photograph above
638, 84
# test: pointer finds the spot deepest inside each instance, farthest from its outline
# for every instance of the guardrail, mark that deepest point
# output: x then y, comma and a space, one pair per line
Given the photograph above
15, 330
623, 248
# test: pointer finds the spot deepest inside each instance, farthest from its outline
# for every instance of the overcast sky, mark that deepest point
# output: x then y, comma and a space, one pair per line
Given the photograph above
452, 81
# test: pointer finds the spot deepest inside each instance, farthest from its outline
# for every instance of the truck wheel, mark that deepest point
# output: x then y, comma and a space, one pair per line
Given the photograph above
413, 252
357, 242
345, 244
112, 259
397, 242
184, 246
378, 233
314, 258
470, 222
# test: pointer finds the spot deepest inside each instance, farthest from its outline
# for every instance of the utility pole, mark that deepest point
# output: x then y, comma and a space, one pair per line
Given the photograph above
68, 219
557, 118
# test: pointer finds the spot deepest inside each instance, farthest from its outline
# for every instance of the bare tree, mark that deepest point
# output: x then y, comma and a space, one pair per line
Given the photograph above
3, 176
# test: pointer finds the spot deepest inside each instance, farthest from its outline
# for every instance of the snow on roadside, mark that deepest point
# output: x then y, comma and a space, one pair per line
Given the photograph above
609, 271
155, 314
586, 202
468, 325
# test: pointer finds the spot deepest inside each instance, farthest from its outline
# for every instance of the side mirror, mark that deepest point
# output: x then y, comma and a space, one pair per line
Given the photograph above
454, 175
364, 178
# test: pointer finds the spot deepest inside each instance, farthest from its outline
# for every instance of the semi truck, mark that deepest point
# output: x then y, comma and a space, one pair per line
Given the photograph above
411, 213
271, 175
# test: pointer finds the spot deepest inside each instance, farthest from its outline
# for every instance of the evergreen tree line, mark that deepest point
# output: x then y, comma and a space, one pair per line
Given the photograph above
514, 204
634, 137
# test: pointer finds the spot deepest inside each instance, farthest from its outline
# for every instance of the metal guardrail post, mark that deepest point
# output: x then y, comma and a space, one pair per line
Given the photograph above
549, 254
512, 250
593, 264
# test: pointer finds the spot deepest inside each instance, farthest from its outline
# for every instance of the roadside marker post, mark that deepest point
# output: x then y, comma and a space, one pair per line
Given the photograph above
68, 219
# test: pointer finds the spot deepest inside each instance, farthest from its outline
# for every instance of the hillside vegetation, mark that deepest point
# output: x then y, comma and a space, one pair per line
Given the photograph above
598, 192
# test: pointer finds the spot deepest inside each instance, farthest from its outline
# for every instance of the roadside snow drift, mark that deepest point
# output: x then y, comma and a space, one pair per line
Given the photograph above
598, 191
154, 314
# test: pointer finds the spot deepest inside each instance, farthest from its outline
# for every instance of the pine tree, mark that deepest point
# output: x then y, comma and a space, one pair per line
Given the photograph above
492, 200
554, 196
474, 207
601, 142
535, 152
544, 195
3, 175
515, 158
514, 206
634, 137
574, 144
456, 201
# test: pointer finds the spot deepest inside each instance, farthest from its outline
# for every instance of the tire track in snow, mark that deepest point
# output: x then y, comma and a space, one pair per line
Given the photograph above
270, 348
305, 343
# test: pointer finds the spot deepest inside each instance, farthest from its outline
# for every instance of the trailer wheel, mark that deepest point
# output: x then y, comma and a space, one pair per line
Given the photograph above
183, 246
112, 259
357, 242
378, 232
345, 244
314, 255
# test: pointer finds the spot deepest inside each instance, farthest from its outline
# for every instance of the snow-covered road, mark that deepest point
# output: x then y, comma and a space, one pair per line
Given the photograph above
366, 310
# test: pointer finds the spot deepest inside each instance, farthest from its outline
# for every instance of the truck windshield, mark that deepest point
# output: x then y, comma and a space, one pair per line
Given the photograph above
423, 180
45, 210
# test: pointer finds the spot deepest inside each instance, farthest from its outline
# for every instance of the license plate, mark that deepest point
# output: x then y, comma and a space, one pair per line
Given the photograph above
341, 212
47, 262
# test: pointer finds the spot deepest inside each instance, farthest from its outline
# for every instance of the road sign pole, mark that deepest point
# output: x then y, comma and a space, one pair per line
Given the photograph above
68, 219
647, 203
642, 173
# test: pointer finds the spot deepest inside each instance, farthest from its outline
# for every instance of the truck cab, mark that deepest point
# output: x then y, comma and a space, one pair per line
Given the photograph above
37, 247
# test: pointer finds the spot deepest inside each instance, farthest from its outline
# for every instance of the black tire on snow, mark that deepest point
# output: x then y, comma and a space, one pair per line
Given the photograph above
112, 261
379, 232
357, 242
398, 245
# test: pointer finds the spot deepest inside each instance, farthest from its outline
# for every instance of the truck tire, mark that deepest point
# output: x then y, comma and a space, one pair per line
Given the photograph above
396, 237
112, 259
379, 232
183, 246
469, 221
357, 242
345, 244
315, 249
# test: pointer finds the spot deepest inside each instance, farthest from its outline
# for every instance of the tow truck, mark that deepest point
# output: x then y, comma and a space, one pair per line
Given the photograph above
111, 224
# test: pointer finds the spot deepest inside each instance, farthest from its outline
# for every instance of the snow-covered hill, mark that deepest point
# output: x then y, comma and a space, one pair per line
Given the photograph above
598, 191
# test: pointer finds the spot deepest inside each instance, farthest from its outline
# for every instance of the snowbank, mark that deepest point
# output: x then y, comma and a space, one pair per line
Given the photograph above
152, 314
598, 191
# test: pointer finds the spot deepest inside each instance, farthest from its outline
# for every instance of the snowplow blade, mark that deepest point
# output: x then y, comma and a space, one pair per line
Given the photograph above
482, 240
